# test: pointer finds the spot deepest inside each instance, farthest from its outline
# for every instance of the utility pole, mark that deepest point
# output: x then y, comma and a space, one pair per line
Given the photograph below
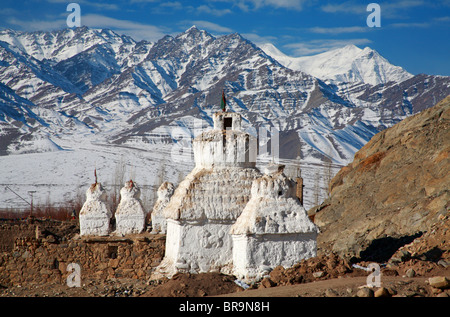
31, 192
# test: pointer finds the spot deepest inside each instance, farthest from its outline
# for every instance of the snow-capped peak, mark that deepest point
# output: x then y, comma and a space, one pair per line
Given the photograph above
60, 45
347, 64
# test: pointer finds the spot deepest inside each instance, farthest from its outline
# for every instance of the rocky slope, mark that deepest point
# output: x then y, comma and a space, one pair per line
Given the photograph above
395, 190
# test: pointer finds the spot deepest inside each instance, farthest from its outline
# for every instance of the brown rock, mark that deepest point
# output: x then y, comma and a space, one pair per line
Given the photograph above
331, 293
365, 292
382, 292
266, 283
114, 263
440, 282
392, 291
50, 239
318, 274
410, 273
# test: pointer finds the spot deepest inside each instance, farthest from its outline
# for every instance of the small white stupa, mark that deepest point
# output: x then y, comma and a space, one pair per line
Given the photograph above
130, 215
273, 229
95, 215
159, 223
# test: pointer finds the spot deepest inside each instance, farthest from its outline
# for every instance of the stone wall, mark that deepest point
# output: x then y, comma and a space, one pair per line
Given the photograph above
38, 261
12, 230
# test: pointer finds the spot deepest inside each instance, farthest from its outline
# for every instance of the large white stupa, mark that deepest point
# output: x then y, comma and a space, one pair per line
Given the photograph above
209, 200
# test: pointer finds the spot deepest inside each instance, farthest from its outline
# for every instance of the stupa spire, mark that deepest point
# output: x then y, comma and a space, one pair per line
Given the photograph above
223, 102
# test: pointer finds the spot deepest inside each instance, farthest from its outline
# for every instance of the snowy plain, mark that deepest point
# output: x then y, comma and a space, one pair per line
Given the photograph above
59, 177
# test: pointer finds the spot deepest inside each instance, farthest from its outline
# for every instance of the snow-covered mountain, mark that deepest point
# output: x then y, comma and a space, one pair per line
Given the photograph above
349, 64
75, 99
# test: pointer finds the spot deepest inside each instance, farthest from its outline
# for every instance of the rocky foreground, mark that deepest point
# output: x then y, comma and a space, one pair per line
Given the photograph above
318, 277
418, 269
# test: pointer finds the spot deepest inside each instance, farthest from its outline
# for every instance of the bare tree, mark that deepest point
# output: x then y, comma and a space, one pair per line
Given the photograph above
299, 178
328, 171
316, 193
118, 181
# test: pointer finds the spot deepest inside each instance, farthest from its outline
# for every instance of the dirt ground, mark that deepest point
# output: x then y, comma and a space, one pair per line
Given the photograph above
295, 282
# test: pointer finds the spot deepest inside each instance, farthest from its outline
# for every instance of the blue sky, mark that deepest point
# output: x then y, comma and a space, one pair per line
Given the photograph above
414, 34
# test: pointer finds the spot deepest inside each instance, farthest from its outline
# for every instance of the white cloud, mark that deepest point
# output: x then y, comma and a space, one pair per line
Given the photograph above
136, 30
208, 10
346, 7
411, 25
396, 9
38, 25
258, 39
247, 5
98, 5
339, 30
209, 26
442, 19
176, 5
290, 4
320, 46
389, 9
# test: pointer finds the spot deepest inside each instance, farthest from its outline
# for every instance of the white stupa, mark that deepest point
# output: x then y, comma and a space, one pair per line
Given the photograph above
273, 229
159, 223
209, 200
130, 215
95, 215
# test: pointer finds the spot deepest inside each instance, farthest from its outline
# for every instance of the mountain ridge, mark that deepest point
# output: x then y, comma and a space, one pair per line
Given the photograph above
345, 64
140, 95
